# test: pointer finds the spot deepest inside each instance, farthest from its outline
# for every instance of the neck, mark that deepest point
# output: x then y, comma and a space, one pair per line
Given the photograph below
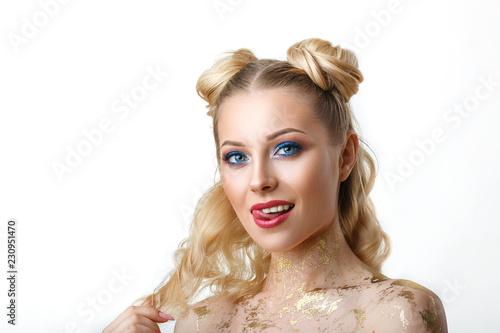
324, 260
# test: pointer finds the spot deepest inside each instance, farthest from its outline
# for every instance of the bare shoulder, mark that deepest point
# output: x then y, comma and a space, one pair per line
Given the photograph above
408, 305
208, 315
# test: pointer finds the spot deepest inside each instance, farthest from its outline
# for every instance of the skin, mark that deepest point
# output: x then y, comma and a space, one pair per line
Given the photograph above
138, 319
315, 283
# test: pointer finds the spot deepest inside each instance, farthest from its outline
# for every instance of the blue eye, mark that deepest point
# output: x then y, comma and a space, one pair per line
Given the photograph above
288, 148
238, 157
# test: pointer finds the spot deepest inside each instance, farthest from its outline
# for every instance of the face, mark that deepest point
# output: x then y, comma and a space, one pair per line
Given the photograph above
273, 149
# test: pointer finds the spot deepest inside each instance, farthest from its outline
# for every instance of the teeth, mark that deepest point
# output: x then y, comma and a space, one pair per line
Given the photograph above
275, 209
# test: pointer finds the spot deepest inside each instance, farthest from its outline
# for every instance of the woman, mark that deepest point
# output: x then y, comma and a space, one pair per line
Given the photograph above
288, 239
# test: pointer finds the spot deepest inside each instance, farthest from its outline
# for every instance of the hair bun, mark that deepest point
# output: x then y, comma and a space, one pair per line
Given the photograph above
330, 67
213, 80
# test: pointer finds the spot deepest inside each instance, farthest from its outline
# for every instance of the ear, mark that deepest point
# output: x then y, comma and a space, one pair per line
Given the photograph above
348, 155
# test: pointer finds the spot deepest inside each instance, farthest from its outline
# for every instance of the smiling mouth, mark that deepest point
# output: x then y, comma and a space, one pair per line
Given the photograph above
270, 220
267, 214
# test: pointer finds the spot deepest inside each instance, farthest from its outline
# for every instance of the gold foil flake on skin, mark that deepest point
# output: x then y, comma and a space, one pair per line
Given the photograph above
297, 303
325, 259
262, 325
378, 277
384, 294
334, 306
314, 303
303, 288
201, 313
285, 309
224, 325
286, 272
392, 292
255, 316
403, 319
284, 263
429, 315
320, 248
386, 315
290, 295
408, 283
360, 317
305, 304
310, 305
409, 296
244, 301
430, 318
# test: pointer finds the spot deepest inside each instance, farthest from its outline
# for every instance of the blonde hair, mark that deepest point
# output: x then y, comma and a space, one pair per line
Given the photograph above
219, 253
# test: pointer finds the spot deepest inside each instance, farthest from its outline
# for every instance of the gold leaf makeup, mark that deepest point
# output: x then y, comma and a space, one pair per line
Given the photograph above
430, 316
202, 313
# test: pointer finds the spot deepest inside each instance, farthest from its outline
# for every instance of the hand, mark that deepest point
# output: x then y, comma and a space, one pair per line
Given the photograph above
138, 319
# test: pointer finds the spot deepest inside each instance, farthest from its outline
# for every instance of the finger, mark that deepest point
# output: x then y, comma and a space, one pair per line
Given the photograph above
136, 328
148, 312
138, 323
153, 314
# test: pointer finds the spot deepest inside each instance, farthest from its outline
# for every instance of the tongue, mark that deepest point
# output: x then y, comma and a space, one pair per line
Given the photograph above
263, 216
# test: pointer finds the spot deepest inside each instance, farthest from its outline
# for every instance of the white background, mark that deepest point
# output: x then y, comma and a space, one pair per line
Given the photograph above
125, 207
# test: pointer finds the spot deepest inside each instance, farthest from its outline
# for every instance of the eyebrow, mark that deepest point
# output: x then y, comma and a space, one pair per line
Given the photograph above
269, 137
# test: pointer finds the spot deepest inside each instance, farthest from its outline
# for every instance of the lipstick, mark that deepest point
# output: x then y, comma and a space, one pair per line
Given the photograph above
270, 204
270, 220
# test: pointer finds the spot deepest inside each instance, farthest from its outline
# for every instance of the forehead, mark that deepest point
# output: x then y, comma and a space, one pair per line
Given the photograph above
259, 113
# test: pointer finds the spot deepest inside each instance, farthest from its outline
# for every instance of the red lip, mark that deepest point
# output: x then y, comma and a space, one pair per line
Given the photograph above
269, 223
270, 204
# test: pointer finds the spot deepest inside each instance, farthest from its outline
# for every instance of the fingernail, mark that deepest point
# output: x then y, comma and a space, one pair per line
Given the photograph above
166, 316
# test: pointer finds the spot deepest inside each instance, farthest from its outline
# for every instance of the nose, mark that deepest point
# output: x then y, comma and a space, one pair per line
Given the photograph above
263, 177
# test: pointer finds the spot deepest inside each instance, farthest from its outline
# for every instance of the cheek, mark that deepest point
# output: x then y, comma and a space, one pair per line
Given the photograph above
227, 185
234, 187
317, 186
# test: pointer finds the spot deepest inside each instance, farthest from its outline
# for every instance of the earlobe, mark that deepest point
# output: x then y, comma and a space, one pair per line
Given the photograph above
345, 171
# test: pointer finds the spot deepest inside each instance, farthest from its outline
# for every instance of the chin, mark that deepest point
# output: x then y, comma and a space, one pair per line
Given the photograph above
273, 247
275, 242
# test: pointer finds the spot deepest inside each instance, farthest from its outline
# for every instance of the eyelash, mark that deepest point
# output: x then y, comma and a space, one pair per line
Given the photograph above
294, 145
